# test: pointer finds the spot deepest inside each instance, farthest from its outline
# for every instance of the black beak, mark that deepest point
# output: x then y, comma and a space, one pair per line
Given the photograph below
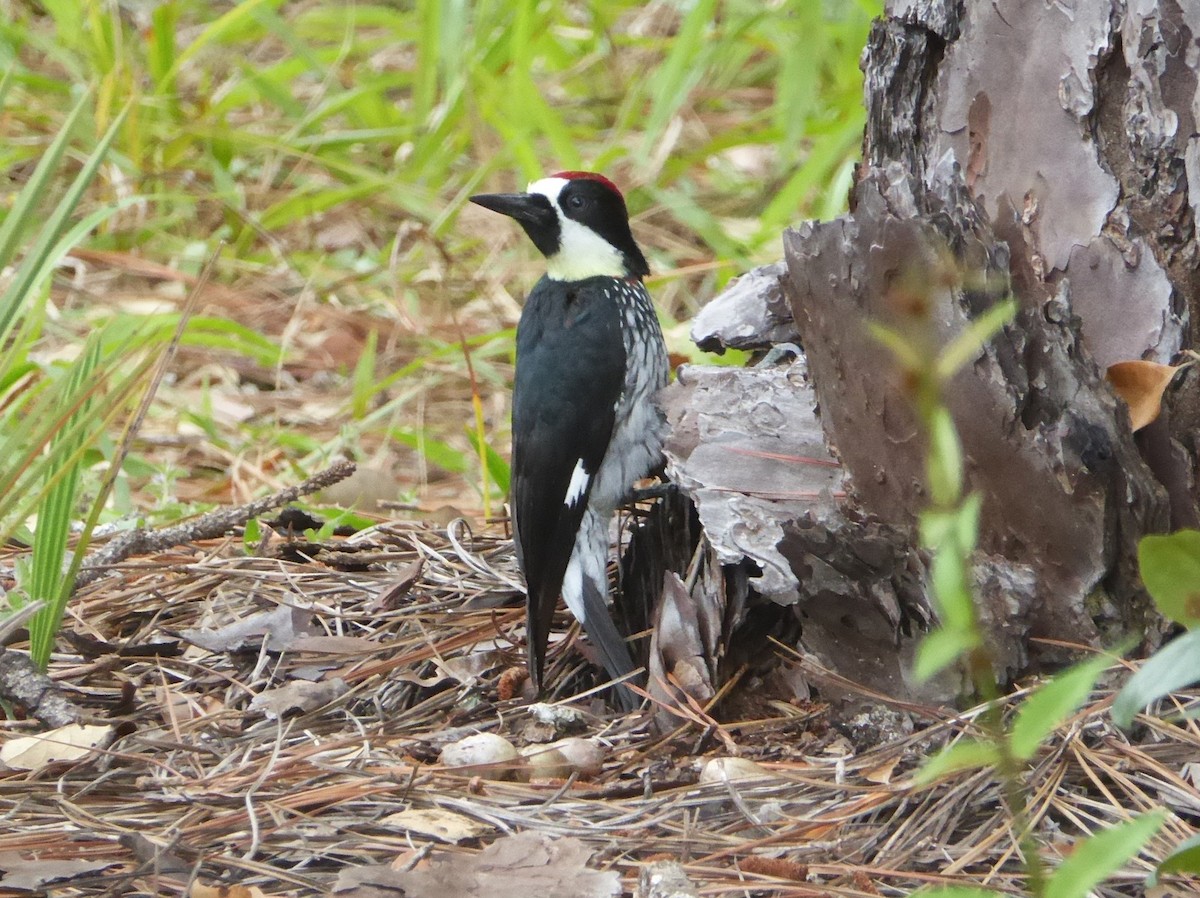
530, 209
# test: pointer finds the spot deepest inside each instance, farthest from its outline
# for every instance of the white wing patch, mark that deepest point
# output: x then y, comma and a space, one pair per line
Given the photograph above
580, 479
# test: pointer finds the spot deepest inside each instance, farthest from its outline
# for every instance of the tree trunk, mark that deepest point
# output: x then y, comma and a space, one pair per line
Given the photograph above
1053, 151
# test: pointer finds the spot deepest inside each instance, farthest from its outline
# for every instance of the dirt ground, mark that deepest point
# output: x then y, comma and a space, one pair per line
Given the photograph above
272, 722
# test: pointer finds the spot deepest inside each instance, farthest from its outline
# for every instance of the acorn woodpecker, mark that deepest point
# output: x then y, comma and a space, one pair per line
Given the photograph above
590, 359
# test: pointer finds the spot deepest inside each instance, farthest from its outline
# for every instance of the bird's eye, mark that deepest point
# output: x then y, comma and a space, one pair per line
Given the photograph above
575, 202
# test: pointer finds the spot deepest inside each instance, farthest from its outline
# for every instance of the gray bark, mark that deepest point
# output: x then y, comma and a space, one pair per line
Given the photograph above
1053, 150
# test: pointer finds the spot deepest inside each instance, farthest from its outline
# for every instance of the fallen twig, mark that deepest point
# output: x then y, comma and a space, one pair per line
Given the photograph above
207, 526
22, 683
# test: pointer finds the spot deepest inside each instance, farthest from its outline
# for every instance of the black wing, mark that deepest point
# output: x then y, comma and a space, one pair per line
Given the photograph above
570, 370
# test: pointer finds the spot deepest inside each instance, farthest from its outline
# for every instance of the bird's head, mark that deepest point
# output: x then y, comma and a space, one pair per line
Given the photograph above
579, 222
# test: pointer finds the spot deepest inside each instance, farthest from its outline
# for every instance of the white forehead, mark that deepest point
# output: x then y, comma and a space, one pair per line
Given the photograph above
550, 188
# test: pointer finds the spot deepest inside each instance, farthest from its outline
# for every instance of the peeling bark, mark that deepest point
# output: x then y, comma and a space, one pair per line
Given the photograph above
1048, 146
1065, 492
753, 314
1053, 150
747, 446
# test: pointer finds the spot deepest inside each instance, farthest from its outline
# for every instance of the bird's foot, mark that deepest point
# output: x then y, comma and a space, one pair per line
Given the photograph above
778, 353
650, 493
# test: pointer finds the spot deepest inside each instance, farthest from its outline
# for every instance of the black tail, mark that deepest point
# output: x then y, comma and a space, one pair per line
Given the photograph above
614, 652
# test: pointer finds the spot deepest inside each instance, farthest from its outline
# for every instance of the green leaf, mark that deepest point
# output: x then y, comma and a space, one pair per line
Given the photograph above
962, 755
1098, 856
1170, 567
967, 522
226, 334
161, 44
938, 527
435, 452
948, 573
252, 535
1174, 666
945, 464
813, 175
1052, 703
955, 528
907, 355
6, 83
498, 470
967, 345
1184, 859
673, 80
939, 650
336, 519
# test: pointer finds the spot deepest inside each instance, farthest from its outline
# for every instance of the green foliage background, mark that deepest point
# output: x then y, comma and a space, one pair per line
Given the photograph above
330, 149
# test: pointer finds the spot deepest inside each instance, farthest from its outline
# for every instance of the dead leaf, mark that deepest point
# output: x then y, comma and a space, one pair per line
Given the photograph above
333, 645
365, 490
438, 824
69, 743
180, 707
175, 706
882, 773
468, 669
1141, 385
228, 410
678, 650
839, 747
390, 598
681, 640
299, 695
24, 874
280, 627
511, 867
153, 854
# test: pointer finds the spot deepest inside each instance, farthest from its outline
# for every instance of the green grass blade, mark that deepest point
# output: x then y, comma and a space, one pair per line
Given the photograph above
36, 267
48, 580
239, 17
683, 70
1096, 857
24, 207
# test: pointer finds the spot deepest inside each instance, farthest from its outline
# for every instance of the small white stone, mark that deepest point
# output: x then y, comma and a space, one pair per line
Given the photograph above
584, 755
545, 762
729, 770
483, 754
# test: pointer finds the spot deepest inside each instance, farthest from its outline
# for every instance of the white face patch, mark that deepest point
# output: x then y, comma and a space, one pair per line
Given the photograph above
580, 479
582, 253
